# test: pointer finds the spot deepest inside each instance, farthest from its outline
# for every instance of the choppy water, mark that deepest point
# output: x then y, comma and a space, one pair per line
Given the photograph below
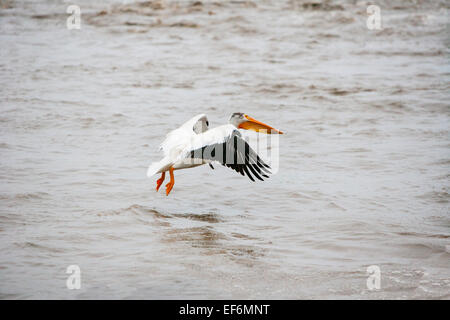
364, 166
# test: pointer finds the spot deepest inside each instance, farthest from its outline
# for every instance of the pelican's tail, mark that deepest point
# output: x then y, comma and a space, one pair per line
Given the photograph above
153, 169
158, 167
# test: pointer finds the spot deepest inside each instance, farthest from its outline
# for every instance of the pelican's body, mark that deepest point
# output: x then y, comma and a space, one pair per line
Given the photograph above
192, 145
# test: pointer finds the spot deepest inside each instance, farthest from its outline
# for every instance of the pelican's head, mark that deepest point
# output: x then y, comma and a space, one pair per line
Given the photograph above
243, 121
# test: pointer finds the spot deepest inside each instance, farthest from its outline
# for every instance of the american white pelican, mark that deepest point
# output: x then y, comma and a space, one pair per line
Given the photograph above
193, 145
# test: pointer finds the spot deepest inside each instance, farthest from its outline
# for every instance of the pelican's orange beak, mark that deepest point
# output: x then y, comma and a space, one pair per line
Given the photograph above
255, 125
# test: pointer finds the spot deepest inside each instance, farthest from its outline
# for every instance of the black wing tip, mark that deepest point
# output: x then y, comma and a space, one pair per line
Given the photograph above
248, 174
253, 169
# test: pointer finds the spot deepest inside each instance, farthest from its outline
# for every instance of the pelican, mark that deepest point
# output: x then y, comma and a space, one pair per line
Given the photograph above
192, 145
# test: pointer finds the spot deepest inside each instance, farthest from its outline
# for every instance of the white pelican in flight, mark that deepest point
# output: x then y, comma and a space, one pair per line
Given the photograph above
193, 144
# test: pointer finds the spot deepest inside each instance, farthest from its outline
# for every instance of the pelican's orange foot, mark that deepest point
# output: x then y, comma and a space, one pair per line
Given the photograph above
169, 186
160, 181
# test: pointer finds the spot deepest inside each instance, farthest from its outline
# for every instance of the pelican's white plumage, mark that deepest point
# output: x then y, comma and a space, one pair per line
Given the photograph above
178, 138
185, 147
176, 142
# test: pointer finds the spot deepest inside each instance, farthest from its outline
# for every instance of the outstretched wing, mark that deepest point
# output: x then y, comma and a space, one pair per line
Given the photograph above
177, 139
226, 146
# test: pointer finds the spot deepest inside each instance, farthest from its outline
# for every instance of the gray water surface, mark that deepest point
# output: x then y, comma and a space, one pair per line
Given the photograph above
364, 164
